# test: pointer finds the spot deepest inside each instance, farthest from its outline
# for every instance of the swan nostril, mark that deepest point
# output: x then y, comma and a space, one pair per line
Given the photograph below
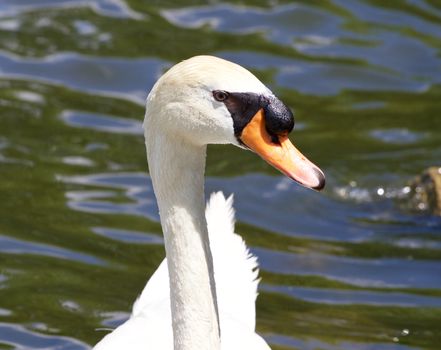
275, 139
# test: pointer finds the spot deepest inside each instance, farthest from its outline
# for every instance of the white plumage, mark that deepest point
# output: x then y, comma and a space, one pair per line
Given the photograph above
236, 276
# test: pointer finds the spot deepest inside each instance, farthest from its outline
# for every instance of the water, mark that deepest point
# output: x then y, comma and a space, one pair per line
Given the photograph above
355, 267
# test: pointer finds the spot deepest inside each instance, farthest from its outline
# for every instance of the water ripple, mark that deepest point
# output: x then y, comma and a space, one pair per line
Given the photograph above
280, 24
112, 8
124, 78
21, 338
128, 236
250, 204
15, 246
102, 122
320, 33
385, 272
310, 344
319, 78
367, 71
351, 297
397, 136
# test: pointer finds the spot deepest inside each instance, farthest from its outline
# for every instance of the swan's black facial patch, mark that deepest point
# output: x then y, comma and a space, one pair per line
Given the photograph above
243, 106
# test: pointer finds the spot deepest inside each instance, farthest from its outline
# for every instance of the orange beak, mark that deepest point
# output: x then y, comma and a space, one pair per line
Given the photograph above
283, 156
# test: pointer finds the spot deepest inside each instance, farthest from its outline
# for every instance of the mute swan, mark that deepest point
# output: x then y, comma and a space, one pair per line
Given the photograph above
202, 296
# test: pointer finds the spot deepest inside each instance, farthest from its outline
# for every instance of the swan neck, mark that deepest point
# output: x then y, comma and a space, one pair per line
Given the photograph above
177, 171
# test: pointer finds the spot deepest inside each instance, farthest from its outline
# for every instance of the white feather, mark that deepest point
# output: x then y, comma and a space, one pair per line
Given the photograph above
235, 268
236, 272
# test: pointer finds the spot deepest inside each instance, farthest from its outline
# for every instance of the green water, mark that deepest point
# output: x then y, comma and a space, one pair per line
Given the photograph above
354, 267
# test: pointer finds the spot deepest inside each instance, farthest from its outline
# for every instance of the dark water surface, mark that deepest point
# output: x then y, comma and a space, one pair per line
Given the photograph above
355, 267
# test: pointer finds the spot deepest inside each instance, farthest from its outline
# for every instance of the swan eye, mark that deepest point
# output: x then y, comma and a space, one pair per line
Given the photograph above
220, 95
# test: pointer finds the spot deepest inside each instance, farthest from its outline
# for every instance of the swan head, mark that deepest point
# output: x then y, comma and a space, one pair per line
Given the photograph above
208, 100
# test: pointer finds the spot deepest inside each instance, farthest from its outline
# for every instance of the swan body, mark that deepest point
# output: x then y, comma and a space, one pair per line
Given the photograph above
203, 294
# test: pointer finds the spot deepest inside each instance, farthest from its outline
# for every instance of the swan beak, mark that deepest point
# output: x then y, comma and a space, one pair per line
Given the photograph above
283, 155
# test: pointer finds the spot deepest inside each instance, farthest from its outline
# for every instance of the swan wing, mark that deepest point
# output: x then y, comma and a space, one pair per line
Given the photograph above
235, 268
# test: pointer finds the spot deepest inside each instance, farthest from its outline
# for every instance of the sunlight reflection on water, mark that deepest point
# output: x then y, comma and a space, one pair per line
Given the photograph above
80, 226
